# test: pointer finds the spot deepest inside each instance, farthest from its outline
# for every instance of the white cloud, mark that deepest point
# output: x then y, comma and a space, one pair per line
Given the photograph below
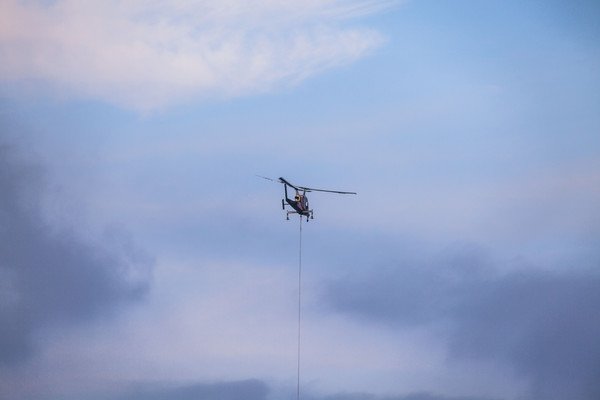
148, 54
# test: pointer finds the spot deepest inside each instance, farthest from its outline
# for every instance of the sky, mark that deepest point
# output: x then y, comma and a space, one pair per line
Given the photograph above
142, 258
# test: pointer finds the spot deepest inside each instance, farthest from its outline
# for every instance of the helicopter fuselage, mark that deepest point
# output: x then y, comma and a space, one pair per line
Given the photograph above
299, 204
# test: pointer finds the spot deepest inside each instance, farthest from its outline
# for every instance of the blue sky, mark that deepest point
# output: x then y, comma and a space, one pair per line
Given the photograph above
142, 258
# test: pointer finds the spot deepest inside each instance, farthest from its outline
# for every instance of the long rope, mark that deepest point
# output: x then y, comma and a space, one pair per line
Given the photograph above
299, 301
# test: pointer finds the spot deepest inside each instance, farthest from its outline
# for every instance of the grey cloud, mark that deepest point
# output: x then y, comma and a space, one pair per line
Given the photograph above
542, 323
237, 390
413, 396
252, 389
410, 396
48, 277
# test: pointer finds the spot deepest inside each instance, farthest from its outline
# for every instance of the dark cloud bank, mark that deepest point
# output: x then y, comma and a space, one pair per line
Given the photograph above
235, 390
251, 389
47, 277
543, 324
415, 396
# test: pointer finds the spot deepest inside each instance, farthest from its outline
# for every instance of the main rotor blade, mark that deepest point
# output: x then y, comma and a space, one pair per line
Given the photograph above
289, 184
264, 177
323, 190
282, 180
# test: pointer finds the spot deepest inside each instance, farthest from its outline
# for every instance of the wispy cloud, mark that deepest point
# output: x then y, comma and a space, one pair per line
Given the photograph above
150, 54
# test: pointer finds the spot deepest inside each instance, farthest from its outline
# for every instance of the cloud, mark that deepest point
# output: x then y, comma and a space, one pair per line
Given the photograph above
413, 396
541, 323
249, 389
49, 277
148, 55
243, 390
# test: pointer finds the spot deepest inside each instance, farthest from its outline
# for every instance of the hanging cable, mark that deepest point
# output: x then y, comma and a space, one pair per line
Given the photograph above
299, 302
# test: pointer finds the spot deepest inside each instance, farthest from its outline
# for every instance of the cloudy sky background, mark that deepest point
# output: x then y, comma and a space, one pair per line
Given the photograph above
141, 258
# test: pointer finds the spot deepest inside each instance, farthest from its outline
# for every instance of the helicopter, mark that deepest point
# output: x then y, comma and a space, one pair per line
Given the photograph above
300, 202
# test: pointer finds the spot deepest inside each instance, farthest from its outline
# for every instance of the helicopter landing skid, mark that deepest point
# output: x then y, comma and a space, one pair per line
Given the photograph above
309, 212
